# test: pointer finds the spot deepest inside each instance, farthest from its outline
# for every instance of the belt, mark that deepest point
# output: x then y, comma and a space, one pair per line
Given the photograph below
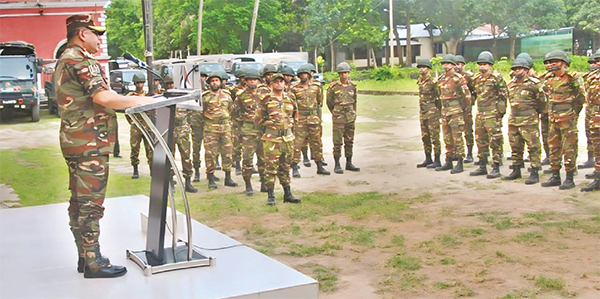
278, 133
486, 108
218, 121
307, 112
345, 107
451, 102
523, 112
426, 107
561, 107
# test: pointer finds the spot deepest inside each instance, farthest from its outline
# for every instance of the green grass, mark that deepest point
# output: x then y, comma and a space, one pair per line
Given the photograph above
302, 250
388, 108
401, 262
548, 284
22, 122
388, 85
530, 238
447, 261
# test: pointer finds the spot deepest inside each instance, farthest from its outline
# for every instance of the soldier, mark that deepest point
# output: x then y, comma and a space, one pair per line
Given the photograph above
236, 137
216, 105
590, 111
135, 134
288, 76
593, 96
527, 101
341, 101
460, 65
455, 97
305, 160
267, 73
87, 106
275, 116
309, 98
243, 113
195, 121
491, 106
429, 116
565, 101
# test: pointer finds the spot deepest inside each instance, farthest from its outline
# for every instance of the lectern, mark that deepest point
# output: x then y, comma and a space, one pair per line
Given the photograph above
181, 254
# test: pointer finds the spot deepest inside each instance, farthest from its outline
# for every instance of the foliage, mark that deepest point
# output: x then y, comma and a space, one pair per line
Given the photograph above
129, 37
584, 13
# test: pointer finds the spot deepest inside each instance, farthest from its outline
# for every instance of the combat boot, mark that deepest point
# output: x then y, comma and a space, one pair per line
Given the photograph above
211, 181
295, 172
288, 197
426, 162
554, 179
481, 170
568, 183
323, 162
263, 187
217, 164
469, 158
97, 266
188, 186
337, 168
436, 163
515, 174
495, 173
305, 161
249, 191
534, 177
447, 166
196, 173
228, 181
590, 176
270, 197
546, 161
548, 171
593, 186
589, 163
320, 169
238, 168
459, 166
136, 174
349, 165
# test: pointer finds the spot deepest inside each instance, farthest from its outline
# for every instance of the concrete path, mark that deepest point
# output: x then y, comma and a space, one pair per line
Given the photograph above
8, 197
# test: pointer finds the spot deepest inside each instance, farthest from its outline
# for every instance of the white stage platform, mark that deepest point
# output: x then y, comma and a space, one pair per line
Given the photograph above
38, 259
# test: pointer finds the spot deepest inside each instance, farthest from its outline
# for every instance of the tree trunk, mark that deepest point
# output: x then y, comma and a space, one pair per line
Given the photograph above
495, 40
408, 42
332, 49
513, 42
430, 31
368, 56
252, 27
316, 61
199, 44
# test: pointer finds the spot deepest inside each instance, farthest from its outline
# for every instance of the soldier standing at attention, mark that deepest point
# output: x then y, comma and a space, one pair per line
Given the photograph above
590, 110
87, 106
341, 101
275, 116
491, 106
593, 94
288, 76
565, 101
460, 65
309, 99
195, 120
216, 105
455, 97
135, 134
527, 101
429, 115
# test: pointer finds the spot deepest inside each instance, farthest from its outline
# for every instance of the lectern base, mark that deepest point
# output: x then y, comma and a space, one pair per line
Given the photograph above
174, 260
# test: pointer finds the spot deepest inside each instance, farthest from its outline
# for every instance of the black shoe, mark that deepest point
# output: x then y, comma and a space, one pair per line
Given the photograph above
295, 172
100, 267
249, 191
136, 174
469, 158
589, 163
263, 187
495, 173
436, 163
80, 264
426, 162
447, 166
211, 181
188, 186
593, 186
238, 168
568, 183
288, 197
228, 181
320, 169
590, 176
196, 174
481, 170
254, 170
270, 197
324, 163
515, 174
547, 171
546, 161
118, 157
305, 159
338, 168
458, 168
554, 179
533, 178
349, 165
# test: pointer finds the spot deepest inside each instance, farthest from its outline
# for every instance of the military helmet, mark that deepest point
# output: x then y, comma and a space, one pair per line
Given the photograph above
168, 78
204, 72
597, 55
240, 73
448, 58
528, 58
277, 76
224, 75
342, 67
485, 57
591, 60
287, 71
520, 63
269, 68
213, 75
139, 78
305, 68
460, 59
311, 67
252, 74
424, 62
557, 55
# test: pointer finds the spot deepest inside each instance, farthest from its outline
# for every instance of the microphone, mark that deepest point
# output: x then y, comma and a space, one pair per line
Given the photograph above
135, 60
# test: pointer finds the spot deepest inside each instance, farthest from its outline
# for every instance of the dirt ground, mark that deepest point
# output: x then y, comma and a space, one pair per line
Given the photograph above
474, 237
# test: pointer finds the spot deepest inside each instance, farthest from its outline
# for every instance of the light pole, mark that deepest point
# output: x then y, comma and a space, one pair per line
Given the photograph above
391, 14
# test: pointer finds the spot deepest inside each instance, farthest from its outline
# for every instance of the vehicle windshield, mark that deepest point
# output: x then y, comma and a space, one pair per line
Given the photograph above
212, 67
128, 76
16, 68
294, 64
249, 66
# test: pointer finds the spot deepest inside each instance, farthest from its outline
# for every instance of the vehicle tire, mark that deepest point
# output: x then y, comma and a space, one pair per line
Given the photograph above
35, 113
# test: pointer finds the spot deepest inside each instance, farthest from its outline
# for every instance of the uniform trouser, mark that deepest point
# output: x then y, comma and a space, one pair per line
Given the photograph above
545, 127
594, 124
430, 134
278, 157
135, 140
87, 182
197, 136
251, 145
468, 115
237, 144
182, 143
215, 144
308, 134
562, 139
589, 113
488, 131
453, 127
518, 137
343, 133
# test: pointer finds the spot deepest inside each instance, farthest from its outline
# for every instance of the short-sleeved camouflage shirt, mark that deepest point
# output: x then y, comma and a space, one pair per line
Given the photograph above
527, 101
308, 98
491, 93
86, 129
565, 96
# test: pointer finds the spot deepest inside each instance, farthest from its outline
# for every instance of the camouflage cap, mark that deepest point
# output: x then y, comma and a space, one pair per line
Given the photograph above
277, 76
87, 21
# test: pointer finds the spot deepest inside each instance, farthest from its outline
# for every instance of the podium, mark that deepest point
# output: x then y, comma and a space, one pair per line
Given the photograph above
156, 258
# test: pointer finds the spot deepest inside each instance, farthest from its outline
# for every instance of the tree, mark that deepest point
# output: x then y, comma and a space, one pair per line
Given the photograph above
129, 37
584, 14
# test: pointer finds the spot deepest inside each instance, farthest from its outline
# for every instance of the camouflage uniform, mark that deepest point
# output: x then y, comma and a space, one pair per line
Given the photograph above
468, 114
87, 137
565, 101
455, 98
491, 107
593, 100
544, 124
527, 101
217, 129
429, 115
181, 136
341, 101
308, 128
195, 120
136, 136
243, 112
276, 117
591, 82
236, 132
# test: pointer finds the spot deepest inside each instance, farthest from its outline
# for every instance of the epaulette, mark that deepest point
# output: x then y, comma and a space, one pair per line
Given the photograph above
573, 75
534, 79
227, 91
205, 92
239, 92
476, 76
334, 83
544, 75
317, 84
